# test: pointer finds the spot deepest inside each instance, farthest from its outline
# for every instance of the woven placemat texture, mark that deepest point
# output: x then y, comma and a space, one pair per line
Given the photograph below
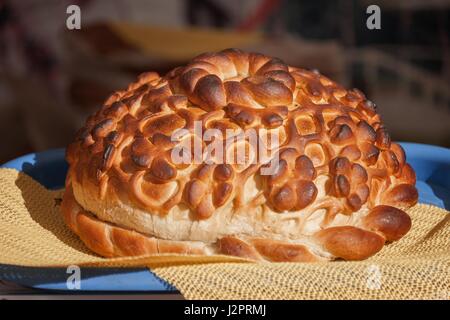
32, 233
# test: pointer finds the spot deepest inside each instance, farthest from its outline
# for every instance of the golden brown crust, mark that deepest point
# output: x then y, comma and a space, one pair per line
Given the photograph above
391, 222
337, 165
350, 243
282, 251
237, 247
112, 241
346, 242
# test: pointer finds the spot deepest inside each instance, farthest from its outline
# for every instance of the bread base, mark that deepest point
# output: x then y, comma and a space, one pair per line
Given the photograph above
385, 223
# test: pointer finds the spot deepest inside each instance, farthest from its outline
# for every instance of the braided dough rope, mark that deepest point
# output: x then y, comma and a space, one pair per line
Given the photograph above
337, 191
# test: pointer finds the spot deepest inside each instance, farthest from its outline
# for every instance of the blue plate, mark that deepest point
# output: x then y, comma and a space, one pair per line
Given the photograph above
431, 163
49, 168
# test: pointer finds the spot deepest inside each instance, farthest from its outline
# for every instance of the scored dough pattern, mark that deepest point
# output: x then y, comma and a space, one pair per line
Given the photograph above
325, 130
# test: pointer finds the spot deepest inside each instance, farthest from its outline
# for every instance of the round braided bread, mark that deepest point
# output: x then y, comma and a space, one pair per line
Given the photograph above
337, 191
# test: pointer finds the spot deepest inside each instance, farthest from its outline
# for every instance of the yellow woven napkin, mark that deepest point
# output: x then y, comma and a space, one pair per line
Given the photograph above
32, 233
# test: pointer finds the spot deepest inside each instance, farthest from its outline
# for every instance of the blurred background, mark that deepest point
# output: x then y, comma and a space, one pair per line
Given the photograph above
51, 77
